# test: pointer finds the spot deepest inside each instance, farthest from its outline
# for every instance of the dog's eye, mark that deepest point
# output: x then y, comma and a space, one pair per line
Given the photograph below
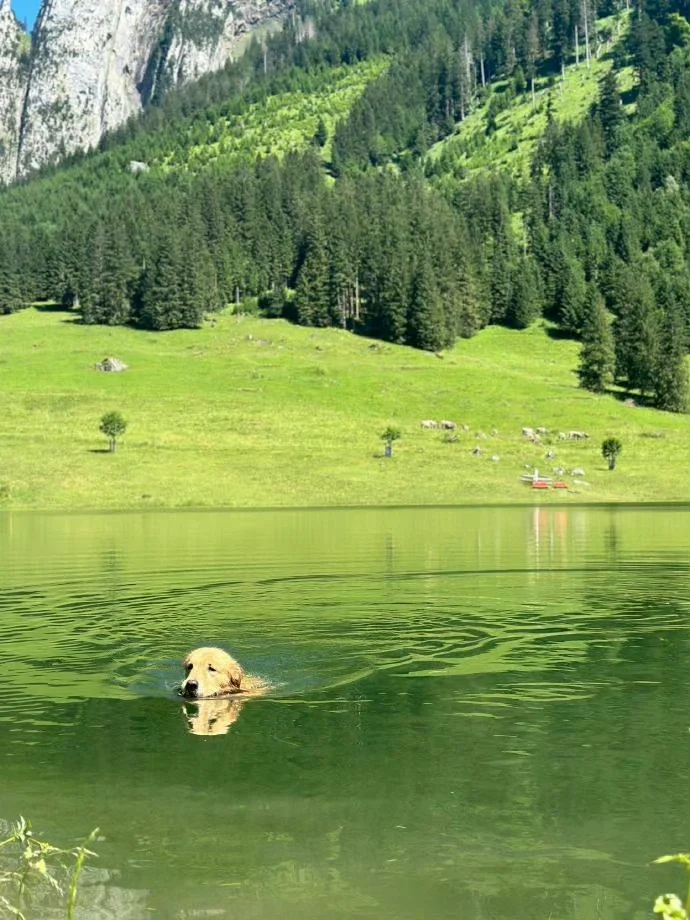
188, 667
211, 668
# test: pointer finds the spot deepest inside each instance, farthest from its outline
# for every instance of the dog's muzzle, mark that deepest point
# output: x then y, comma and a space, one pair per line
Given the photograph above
190, 689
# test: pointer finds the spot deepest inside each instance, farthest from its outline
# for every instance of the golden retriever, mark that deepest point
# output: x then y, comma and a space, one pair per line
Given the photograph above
211, 673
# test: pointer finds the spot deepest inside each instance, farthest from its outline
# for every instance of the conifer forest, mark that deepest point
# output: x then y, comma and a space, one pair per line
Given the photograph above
356, 207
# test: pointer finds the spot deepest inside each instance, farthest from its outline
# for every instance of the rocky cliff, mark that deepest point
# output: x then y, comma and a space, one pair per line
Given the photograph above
14, 63
96, 62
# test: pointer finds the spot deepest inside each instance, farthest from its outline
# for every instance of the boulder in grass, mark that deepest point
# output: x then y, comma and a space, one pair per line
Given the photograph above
112, 366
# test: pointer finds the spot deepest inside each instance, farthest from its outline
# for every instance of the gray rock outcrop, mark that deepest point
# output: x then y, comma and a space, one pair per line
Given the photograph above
14, 65
95, 63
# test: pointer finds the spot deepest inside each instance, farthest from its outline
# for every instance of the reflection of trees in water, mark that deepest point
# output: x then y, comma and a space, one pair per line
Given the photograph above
112, 568
502, 742
612, 540
420, 802
117, 598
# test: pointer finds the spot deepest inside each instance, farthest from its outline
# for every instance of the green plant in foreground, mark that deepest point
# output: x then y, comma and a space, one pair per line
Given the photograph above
610, 449
113, 426
388, 436
670, 906
32, 863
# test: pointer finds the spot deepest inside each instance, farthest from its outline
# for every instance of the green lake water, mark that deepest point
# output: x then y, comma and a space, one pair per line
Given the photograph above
476, 713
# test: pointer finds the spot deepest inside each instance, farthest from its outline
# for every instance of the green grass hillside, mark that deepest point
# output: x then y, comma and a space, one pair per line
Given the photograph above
250, 413
279, 124
521, 120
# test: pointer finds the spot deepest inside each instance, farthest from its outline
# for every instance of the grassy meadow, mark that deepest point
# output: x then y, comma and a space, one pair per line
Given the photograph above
249, 412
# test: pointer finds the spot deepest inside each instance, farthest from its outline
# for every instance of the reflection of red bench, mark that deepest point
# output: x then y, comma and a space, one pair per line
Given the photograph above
560, 485
540, 484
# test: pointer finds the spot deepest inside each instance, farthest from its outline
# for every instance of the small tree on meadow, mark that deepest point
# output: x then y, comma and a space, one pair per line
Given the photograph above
388, 436
113, 426
610, 449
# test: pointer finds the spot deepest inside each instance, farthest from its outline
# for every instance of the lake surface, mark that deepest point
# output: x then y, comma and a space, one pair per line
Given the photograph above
477, 713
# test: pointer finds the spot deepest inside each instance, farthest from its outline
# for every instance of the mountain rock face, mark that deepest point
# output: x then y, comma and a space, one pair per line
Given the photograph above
94, 63
14, 47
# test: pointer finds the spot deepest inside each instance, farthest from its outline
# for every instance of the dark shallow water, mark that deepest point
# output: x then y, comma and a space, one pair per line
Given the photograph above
476, 714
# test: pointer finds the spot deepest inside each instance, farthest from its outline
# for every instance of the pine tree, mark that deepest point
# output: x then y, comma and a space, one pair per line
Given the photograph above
313, 295
425, 320
160, 302
388, 312
671, 373
636, 331
562, 29
342, 279
572, 291
468, 314
72, 263
525, 302
10, 296
108, 297
609, 112
501, 282
597, 355
321, 134
196, 291
648, 47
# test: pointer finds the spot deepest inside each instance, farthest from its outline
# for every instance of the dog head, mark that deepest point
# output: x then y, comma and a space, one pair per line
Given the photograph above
210, 672
212, 717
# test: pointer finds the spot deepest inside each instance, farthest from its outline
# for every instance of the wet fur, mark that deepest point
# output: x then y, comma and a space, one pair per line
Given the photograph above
210, 673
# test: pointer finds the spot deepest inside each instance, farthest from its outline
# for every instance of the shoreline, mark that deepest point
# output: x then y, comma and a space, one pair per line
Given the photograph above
678, 505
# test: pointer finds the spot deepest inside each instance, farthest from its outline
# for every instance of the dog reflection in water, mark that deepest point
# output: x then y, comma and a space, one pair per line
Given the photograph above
217, 686
212, 717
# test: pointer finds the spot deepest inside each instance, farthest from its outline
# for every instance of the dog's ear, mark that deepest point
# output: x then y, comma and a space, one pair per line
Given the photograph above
235, 673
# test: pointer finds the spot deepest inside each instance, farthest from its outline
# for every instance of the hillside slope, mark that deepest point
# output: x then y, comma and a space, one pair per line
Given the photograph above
91, 66
251, 413
410, 172
519, 119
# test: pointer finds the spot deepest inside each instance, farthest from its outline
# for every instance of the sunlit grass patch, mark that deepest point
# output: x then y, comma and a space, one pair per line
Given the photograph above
281, 123
251, 413
523, 120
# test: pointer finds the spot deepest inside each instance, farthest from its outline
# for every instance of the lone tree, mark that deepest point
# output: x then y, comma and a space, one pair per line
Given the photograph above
321, 135
388, 436
610, 449
113, 426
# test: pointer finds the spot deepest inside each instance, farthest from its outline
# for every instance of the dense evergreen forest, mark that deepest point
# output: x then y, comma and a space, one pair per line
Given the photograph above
362, 228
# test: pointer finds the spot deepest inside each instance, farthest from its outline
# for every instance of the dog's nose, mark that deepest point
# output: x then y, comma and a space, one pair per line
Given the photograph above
191, 686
